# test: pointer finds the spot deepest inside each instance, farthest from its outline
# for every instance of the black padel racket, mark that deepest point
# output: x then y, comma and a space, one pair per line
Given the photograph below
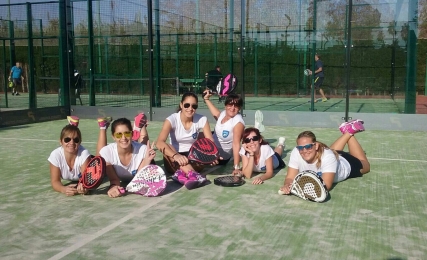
229, 181
94, 173
228, 84
203, 151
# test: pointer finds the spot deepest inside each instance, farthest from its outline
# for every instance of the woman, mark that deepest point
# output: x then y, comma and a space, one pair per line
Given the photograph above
68, 161
228, 129
183, 129
124, 158
331, 163
258, 156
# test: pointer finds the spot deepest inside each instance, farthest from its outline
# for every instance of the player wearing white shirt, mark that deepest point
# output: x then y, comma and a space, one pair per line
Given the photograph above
183, 129
228, 129
68, 161
258, 156
330, 163
124, 158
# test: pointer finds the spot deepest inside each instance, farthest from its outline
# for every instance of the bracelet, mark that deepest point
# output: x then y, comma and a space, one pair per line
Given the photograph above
237, 167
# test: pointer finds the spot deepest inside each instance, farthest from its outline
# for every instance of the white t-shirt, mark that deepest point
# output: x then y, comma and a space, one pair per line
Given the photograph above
180, 138
124, 172
340, 167
57, 159
265, 152
223, 136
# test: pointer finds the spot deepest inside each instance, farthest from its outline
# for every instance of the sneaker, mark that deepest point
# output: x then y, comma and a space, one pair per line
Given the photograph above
324, 99
104, 122
179, 176
13, 93
140, 122
259, 117
352, 127
17, 94
195, 180
281, 142
73, 120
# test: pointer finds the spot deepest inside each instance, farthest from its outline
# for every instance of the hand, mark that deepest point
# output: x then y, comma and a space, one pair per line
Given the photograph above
237, 172
9, 78
115, 191
247, 149
286, 188
71, 190
150, 153
207, 94
257, 181
180, 159
310, 72
81, 189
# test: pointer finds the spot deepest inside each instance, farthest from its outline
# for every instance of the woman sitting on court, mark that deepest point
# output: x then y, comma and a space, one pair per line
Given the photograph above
68, 161
124, 158
331, 163
258, 156
228, 129
183, 129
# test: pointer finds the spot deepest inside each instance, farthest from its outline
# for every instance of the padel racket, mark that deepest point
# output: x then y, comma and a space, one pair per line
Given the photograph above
203, 151
229, 181
228, 84
94, 173
150, 181
306, 72
10, 84
308, 186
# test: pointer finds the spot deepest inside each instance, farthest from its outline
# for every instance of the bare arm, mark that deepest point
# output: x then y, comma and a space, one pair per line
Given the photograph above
290, 176
328, 179
237, 137
161, 144
113, 190
268, 174
214, 111
55, 180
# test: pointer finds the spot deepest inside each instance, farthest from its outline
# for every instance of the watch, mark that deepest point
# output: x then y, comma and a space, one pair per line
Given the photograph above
237, 167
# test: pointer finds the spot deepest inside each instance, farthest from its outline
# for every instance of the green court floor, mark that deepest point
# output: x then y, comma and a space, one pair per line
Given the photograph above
379, 216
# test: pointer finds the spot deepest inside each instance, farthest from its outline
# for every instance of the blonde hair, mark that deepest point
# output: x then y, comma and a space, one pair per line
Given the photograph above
322, 146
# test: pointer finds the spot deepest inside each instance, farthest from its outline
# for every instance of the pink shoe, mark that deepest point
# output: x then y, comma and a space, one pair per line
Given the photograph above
179, 176
104, 122
140, 122
352, 127
195, 180
344, 126
73, 120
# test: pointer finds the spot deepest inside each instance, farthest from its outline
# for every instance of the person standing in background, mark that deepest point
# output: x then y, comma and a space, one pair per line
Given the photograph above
16, 77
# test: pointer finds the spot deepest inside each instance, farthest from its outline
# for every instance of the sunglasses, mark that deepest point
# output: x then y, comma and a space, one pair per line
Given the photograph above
194, 106
76, 140
307, 147
253, 138
127, 134
232, 104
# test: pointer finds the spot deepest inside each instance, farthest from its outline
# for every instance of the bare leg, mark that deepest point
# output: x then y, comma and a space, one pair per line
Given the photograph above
354, 148
322, 93
102, 140
143, 136
279, 149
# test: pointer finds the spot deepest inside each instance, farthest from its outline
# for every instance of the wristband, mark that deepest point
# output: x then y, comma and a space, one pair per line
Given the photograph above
237, 167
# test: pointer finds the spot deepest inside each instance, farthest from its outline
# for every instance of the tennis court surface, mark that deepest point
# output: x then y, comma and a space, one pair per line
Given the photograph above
380, 216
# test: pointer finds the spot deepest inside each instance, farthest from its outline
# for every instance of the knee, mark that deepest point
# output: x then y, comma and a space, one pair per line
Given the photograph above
366, 167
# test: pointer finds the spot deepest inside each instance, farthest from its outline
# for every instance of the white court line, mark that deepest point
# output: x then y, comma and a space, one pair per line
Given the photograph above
113, 225
399, 160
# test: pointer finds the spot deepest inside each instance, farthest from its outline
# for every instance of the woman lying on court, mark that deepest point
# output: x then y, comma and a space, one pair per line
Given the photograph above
228, 129
183, 129
258, 156
330, 163
68, 161
125, 157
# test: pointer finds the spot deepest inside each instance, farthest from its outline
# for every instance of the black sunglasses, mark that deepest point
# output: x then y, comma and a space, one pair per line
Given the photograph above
68, 139
194, 106
253, 138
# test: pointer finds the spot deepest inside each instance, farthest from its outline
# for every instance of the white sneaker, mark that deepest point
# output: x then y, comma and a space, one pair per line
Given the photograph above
282, 141
259, 117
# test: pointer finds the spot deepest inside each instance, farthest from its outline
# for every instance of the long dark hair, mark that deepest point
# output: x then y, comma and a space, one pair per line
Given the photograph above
249, 130
322, 146
121, 121
234, 99
184, 96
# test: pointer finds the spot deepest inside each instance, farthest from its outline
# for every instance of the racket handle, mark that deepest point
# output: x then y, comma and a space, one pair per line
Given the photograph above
281, 192
122, 190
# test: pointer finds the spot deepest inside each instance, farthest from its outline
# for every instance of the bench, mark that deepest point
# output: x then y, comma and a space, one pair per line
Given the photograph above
186, 85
